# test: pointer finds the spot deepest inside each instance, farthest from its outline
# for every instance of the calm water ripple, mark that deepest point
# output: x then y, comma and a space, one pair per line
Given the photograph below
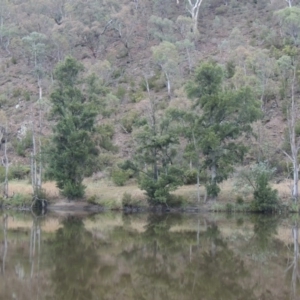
115, 256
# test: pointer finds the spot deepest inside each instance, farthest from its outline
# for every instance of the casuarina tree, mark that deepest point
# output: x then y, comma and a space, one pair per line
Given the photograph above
73, 150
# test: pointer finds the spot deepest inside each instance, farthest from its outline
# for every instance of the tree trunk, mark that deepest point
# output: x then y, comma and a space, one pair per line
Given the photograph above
295, 274
168, 84
193, 9
5, 191
39, 183
213, 177
292, 121
296, 178
5, 217
198, 186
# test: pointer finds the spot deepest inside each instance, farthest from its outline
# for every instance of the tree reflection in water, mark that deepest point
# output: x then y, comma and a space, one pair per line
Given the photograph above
73, 255
165, 270
4, 251
293, 264
151, 257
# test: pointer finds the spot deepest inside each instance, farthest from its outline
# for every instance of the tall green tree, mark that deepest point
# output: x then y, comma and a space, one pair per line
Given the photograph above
220, 117
73, 150
156, 142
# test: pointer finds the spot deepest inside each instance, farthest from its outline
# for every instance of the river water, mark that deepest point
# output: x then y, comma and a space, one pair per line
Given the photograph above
142, 256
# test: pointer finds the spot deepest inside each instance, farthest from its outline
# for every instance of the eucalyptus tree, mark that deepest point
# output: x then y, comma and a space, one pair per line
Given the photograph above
161, 29
225, 115
165, 55
289, 18
289, 71
187, 41
35, 45
290, 76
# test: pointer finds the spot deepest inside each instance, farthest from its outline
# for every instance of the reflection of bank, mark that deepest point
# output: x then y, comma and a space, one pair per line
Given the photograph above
74, 259
294, 263
5, 217
35, 241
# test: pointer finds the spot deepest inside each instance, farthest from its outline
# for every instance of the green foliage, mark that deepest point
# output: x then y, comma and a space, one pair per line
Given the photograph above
129, 202
136, 96
73, 150
158, 189
16, 93
14, 60
247, 179
294, 207
129, 120
18, 171
20, 200
219, 118
121, 92
22, 145
120, 176
290, 21
72, 190
161, 29
265, 198
212, 189
26, 95
105, 160
92, 200
239, 200
105, 134
229, 207
40, 194
155, 83
221, 9
256, 180
230, 69
2, 174
156, 149
15, 171
190, 176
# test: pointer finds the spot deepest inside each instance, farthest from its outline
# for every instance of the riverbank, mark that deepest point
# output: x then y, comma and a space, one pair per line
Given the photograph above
103, 195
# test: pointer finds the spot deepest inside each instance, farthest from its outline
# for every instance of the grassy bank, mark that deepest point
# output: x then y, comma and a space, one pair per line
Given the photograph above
109, 196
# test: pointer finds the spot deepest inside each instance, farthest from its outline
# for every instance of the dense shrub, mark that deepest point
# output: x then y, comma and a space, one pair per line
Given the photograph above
19, 172
22, 145
265, 198
190, 176
129, 202
158, 191
119, 176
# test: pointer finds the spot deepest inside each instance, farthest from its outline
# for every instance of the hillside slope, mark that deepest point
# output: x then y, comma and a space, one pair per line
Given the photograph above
115, 40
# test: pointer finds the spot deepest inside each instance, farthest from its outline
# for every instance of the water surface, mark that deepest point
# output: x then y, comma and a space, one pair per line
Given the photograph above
142, 256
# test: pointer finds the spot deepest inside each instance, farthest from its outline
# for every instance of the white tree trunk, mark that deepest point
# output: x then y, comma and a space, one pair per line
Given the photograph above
33, 158
296, 178
193, 8
292, 121
6, 164
198, 186
168, 83
5, 217
39, 183
213, 176
295, 276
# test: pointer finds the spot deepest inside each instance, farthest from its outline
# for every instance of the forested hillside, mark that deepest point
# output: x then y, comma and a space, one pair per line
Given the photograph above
187, 91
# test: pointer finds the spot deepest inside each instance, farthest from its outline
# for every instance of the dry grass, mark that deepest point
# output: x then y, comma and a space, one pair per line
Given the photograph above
23, 187
109, 195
